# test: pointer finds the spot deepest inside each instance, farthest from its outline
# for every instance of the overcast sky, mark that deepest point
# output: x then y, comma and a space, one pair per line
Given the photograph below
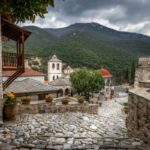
124, 15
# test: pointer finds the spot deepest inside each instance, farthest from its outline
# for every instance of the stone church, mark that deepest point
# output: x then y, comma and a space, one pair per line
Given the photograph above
56, 71
59, 76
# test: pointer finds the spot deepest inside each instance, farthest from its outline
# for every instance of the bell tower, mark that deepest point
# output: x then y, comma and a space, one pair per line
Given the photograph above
54, 68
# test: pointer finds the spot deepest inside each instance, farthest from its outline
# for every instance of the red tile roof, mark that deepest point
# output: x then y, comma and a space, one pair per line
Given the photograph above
28, 72
105, 73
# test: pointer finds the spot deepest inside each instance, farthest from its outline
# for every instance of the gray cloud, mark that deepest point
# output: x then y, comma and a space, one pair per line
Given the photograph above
125, 15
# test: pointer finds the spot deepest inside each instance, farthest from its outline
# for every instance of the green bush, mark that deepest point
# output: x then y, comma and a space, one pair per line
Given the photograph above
48, 99
65, 101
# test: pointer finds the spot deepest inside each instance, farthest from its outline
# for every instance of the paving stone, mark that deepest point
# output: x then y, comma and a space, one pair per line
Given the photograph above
70, 130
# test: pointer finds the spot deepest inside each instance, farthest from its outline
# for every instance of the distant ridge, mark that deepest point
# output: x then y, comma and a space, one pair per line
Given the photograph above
87, 44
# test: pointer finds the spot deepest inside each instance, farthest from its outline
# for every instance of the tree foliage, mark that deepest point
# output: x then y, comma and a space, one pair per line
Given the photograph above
22, 10
86, 82
132, 75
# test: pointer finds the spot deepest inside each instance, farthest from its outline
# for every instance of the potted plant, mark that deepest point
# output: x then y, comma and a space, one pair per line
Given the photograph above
80, 100
9, 110
26, 100
65, 101
48, 99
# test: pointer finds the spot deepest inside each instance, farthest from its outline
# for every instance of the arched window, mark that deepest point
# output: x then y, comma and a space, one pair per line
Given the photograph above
57, 66
53, 65
53, 77
57, 77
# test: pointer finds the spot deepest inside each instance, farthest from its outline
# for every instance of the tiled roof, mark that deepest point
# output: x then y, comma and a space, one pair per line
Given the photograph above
54, 59
61, 82
105, 73
28, 72
29, 86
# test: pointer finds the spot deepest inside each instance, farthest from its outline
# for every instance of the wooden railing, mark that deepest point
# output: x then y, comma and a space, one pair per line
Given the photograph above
9, 60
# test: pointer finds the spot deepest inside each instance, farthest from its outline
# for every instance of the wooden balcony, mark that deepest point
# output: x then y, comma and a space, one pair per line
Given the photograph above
9, 61
13, 61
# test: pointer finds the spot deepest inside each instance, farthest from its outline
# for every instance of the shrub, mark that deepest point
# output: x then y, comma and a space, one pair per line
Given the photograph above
48, 98
80, 100
66, 101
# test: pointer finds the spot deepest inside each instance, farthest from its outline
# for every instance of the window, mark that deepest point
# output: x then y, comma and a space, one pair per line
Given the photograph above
53, 77
53, 65
57, 77
57, 66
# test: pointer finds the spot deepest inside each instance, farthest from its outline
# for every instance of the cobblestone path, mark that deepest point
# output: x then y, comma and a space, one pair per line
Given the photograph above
70, 131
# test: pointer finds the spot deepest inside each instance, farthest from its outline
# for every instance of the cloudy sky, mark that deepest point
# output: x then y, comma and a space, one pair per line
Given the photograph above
123, 15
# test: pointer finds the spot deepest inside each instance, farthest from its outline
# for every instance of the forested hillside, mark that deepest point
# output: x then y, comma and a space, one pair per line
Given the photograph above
90, 45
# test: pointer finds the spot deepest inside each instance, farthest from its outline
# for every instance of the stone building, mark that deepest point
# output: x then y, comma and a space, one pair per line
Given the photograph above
32, 88
8, 60
107, 78
142, 75
63, 84
54, 68
1, 81
56, 71
28, 74
138, 121
67, 71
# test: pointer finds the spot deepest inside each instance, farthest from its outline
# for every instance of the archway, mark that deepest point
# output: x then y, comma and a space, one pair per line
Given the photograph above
60, 93
67, 92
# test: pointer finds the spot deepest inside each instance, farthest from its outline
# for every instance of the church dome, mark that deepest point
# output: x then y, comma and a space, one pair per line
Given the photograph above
105, 73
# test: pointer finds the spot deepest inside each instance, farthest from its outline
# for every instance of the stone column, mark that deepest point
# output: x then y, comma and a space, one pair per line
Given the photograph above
1, 81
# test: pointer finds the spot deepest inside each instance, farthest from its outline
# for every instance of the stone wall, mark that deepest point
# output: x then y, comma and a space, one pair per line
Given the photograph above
144, 84
51, 108
141, 75
1, 88
138, 121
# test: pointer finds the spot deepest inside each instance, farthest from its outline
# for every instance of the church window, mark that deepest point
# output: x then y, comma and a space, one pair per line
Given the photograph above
57, 66
53, 65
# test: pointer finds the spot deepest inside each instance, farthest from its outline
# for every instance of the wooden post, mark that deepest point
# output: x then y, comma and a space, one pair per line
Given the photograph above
1, 80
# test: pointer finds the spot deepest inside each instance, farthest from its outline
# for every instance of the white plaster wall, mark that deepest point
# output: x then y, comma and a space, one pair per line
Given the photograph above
54, 72
68, 71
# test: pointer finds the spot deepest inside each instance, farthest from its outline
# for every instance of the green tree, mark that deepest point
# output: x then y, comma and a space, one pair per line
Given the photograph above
126, 75
22, 10
86, 82
132, 74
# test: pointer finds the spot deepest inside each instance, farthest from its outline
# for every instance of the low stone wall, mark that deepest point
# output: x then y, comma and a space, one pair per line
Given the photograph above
138, 121
51, 108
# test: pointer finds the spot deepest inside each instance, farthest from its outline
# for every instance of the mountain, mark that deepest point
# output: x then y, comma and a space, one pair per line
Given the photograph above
87, 44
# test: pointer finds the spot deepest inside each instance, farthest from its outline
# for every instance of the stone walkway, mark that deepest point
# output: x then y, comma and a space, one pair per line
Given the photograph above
70, 131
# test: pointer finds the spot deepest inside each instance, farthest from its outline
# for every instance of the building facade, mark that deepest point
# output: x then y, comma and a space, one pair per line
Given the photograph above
142, 74
56, 71
54, 68
138, 121
67, 71
107, 79
28, 74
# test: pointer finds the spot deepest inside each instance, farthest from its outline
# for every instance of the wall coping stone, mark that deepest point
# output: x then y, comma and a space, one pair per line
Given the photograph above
141, 92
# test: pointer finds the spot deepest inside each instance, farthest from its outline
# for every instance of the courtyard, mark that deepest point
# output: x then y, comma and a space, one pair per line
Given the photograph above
69, 130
